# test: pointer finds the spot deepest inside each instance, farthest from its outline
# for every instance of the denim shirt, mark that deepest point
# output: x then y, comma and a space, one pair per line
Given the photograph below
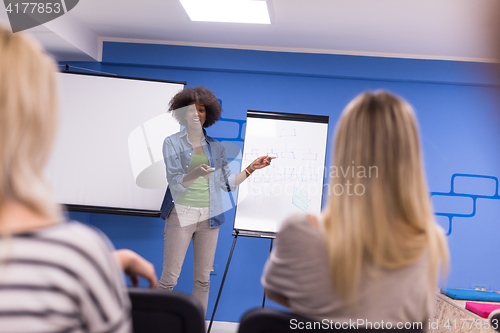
177, 154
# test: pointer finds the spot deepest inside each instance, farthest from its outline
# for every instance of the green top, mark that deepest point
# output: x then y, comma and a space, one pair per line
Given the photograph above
197, 195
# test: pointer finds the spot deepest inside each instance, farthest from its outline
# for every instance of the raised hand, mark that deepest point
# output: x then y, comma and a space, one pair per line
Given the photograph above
261, 162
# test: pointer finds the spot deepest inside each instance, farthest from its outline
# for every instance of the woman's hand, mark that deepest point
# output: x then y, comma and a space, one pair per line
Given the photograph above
278, 298
204, 170
134, 266
260, 162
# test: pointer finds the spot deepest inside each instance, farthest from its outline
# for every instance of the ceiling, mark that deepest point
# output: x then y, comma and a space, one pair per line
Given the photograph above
421, 29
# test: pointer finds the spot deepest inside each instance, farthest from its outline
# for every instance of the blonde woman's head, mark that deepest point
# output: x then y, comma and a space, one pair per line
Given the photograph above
379, 209
28, 112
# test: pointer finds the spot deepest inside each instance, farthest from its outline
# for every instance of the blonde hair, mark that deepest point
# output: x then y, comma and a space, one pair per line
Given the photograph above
28, 114
386, 220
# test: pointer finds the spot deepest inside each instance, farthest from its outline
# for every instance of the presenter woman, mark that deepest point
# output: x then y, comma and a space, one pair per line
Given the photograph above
374, 258
197, 170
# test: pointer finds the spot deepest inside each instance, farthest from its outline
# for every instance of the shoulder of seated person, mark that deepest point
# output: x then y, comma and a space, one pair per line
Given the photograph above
300, 220
86, 233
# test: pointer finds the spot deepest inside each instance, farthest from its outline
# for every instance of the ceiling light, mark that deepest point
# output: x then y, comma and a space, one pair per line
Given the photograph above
233, 11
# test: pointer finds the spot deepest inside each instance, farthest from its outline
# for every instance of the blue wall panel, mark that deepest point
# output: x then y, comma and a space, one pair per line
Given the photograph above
456, 104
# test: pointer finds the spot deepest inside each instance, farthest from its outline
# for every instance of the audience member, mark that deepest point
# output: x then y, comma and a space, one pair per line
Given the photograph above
55, 276
375, 253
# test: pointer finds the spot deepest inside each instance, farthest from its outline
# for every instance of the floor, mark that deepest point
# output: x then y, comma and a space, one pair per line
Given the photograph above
222, 327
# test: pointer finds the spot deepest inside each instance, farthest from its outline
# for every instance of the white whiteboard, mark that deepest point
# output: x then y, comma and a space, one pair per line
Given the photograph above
108, 150
293, 182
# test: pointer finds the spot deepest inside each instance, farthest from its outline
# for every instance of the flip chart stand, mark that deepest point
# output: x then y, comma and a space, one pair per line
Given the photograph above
270, 250
235, 234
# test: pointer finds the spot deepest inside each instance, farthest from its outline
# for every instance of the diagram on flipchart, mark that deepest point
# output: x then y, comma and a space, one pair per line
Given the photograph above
293, 181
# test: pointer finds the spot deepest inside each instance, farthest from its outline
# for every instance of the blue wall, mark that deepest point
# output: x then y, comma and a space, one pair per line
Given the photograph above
456, 104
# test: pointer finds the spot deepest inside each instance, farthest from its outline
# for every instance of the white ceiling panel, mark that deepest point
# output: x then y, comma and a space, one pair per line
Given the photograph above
422, 29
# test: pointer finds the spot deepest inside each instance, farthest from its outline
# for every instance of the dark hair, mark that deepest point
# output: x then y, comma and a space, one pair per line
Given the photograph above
200, 95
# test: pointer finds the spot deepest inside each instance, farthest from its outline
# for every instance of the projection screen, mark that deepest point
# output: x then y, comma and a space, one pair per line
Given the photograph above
107, 156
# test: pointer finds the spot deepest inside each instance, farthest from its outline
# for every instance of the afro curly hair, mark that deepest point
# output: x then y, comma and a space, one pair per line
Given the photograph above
200, 95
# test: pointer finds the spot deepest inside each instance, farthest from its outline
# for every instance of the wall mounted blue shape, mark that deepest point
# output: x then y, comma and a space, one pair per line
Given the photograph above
240, 129
239, 122
474, 197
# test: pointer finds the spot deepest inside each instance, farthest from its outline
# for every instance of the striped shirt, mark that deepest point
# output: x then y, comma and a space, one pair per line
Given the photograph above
61, 278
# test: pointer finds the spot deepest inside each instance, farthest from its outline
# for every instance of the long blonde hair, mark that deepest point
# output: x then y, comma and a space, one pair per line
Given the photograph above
28, 114
386, 218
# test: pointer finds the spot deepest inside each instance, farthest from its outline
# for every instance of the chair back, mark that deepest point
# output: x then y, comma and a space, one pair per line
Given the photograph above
156, 311
275, 321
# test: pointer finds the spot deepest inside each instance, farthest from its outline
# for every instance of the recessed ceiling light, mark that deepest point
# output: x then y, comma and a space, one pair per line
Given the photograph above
233, 11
